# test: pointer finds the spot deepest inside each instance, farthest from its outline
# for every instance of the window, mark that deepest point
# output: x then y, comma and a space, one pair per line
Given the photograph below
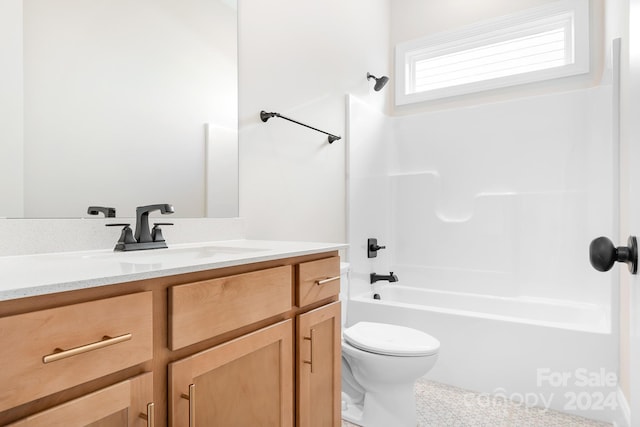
539, 44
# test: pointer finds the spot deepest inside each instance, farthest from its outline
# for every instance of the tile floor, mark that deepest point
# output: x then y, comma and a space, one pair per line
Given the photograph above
440, 405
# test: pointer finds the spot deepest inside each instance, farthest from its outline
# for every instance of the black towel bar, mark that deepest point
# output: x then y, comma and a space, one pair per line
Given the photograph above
264, 116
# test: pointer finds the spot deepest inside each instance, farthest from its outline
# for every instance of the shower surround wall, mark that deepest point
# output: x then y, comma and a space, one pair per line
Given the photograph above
499, 199
508, 195
496, 202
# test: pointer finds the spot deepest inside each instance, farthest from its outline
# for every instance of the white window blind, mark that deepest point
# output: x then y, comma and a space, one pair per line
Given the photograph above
540, 44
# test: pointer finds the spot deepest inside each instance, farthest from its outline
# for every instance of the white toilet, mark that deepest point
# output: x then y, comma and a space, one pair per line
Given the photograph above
380, 365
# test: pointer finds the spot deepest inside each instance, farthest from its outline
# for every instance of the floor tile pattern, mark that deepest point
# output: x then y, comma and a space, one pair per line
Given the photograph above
441, 405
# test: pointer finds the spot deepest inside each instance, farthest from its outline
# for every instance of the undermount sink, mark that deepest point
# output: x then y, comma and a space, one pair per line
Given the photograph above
171, 255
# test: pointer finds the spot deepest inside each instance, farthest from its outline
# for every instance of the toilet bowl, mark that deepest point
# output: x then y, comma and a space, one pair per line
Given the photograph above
380, 365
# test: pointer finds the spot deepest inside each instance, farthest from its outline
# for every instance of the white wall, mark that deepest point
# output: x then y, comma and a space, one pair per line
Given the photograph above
411, 19
300, 59
11, 104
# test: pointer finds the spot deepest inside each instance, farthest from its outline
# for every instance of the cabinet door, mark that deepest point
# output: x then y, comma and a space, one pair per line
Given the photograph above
244, 382
318, 367
128, 403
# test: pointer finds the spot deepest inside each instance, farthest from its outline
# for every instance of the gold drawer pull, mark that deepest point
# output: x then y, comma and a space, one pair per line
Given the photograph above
325, 281
106, 341
191, 397
149, 416
310, 361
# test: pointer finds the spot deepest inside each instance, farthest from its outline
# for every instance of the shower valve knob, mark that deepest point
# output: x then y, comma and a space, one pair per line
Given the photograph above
603, 254
373, 248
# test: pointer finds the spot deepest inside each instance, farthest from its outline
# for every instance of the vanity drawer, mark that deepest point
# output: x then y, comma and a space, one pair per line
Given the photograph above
46, 351
318, 280
122, 404
202, 310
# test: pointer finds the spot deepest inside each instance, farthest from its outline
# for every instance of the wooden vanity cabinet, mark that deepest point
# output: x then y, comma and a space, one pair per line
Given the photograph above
255, 344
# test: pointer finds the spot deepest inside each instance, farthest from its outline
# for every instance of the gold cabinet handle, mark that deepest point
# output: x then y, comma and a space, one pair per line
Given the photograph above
149, 416
325, 281
106, 341
191, 397
310, 361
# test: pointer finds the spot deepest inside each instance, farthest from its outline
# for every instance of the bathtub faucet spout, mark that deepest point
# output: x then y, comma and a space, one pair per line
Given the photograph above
390, 278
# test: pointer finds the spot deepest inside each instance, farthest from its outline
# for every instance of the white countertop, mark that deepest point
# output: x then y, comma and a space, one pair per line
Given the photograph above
31, 275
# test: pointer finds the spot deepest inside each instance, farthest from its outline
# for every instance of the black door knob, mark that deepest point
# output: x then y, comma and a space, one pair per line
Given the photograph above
603, 254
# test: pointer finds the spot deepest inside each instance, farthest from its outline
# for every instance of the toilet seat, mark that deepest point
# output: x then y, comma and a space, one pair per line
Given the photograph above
390, 340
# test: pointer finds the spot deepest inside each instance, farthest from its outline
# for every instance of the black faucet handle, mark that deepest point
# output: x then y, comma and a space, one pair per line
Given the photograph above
126, 236
117, 225
156, 231
373, 247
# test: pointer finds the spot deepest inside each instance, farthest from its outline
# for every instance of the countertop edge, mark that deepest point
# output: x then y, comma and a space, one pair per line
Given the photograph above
74, 285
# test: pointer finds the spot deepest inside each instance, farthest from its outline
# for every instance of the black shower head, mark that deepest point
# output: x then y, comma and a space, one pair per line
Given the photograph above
380, 81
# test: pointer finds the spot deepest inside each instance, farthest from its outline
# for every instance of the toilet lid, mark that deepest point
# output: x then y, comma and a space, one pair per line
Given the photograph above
392, 340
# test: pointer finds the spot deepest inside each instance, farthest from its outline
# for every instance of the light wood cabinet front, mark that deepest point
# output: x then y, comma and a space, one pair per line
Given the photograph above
125, 404
317, 280
55, 349
237, 346
202, 310
244, 382
318, 367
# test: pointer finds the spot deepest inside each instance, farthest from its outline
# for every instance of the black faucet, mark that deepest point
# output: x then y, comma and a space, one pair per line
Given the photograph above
143, 234
107, 211
390, 278
144, 238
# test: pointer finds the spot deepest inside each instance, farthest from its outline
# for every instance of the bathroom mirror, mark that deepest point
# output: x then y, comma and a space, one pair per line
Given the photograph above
124, 103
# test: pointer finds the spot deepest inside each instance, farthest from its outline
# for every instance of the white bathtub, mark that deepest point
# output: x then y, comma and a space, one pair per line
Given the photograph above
548, 353
537, 311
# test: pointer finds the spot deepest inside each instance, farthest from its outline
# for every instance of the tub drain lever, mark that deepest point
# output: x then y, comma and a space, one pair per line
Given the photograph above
603, 254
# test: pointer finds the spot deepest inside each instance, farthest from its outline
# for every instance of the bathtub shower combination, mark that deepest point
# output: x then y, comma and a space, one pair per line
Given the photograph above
486, 213
549, 354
